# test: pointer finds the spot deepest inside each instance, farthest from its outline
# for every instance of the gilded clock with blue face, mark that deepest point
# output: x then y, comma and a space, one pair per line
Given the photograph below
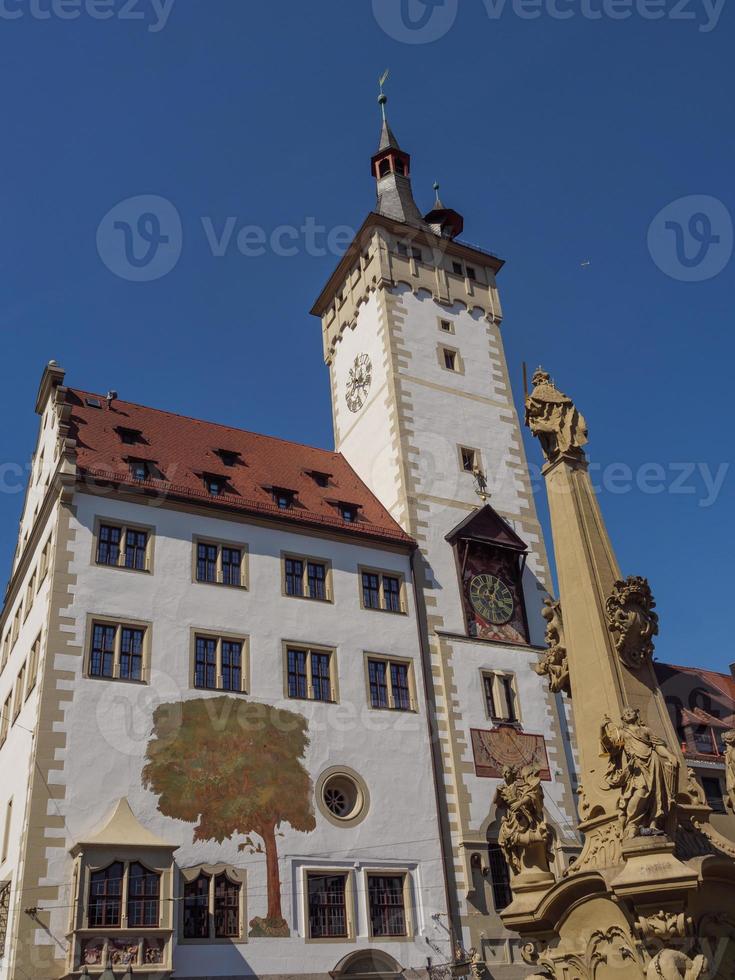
491, 598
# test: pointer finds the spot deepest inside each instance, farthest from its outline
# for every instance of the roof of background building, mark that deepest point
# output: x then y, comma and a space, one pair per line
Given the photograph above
182, 451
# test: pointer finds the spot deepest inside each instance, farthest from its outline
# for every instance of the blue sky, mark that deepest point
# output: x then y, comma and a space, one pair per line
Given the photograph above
560, 139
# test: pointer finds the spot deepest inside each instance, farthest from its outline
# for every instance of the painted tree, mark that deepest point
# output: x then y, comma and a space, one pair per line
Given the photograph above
233, 768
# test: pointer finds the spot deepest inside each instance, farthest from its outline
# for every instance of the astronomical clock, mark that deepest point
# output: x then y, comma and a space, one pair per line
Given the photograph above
490, 559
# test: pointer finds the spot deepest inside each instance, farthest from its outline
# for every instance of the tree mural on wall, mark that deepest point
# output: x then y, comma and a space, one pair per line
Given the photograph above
233, 768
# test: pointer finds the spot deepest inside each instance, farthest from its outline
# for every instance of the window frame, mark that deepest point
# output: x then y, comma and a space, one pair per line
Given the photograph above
408, 901
307, 560
120, 624
30, 594
44, 562
237, 876
34, 659
494, 849
500, 698
478, 464
441, 351
221, 544
350, 910
111, 857
5, 716
388, 659
383, 573
123, 526
220, 637
309, 649
449, 329
19, 692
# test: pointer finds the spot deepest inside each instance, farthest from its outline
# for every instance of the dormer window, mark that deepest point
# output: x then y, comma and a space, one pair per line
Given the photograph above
215, 485
284, 499
348, 513
321, 479
229, 457
130, 437
140, 469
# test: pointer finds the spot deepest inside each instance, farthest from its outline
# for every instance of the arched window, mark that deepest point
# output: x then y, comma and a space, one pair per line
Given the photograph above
226, 908
196, 908
499, 876
144, 888
400, 167
105, 897
384, 168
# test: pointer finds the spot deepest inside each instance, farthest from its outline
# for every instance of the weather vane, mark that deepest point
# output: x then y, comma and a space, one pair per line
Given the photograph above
383, 98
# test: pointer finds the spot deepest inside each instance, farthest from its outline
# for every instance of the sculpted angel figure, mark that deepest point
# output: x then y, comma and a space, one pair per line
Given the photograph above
554, 662
729, 740
646, 771
552, 417
521, 797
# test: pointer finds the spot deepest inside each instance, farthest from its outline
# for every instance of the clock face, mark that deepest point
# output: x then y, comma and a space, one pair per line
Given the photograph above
491, 598
358, 382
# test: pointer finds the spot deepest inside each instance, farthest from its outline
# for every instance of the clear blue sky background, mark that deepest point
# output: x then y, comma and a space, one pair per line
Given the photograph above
559, 140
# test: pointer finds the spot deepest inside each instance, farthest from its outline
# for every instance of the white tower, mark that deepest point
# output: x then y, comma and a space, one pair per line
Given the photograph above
423, 411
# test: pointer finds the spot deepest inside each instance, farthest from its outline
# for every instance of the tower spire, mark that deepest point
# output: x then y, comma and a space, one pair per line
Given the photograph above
391, 168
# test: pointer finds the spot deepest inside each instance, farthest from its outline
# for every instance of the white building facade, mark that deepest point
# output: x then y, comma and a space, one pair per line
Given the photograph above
257, 697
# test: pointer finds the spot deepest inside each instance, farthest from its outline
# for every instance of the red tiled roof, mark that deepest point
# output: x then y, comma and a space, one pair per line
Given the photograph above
183, 449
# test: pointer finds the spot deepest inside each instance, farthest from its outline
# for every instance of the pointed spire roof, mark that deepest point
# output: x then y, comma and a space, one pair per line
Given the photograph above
388, 139
391, 168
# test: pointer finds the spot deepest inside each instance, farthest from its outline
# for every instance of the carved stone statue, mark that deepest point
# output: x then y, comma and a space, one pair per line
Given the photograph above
694, 787
554, 662
524, 835
632, 621
729, 740
672, 964
644, 769
552, 417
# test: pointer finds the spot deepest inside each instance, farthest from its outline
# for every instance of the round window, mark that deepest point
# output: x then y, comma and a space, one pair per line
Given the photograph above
342, 796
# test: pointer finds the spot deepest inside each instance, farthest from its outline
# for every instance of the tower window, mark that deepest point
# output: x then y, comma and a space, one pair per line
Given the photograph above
384, 168
457, 268
450, 359
470, 273
468, 458
446, 326
499, 876
500, 696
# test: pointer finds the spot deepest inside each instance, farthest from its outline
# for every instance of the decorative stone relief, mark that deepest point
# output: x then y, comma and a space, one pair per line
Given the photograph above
672, 964
643, 769
664, 926
553, 419
602, 849
729, 740
554, 662
524, 835
606, 948
632, 621
694, 788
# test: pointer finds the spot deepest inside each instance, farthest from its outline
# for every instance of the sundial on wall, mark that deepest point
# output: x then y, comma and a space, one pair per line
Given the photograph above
358, 382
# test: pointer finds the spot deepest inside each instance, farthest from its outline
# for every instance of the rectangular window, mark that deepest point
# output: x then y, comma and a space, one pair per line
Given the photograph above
4, 914
144, 888
310, 674
390, 684
122, 547
16, 624
457, 268
387, 905
306, 578
499, 877
468, 459
219, 663
43, 565
30, 593
327, 896
5, 720
33, 666
6, 650
501, 701
382, 590
450, 359
446, 326
19, 692
470, 273
219, 563
118, 651
6, 831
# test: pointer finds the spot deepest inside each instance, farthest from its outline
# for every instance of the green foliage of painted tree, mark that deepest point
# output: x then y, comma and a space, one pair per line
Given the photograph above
233, 768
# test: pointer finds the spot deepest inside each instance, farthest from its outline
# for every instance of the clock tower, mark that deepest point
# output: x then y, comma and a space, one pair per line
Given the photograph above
423, 411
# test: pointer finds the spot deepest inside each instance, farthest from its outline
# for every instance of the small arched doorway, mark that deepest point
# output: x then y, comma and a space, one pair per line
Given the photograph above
368, 965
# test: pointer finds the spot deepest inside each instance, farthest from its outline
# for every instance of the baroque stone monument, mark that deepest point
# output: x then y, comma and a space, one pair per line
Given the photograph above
652, 894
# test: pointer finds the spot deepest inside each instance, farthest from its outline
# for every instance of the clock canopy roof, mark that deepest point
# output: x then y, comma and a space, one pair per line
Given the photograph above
485, 524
